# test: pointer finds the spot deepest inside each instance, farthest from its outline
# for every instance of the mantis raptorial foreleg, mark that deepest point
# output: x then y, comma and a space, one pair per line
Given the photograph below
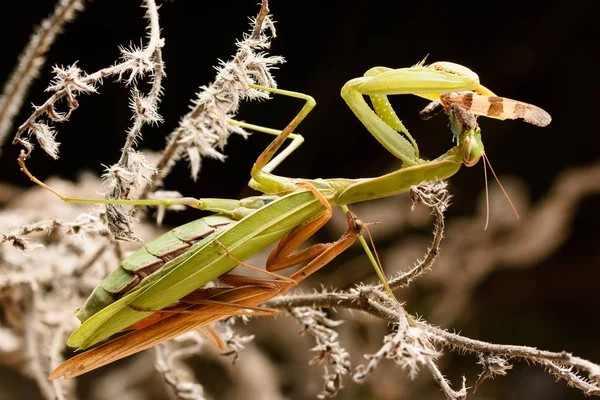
382, 121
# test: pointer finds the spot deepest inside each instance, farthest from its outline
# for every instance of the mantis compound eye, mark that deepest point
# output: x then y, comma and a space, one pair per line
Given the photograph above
356, 224
359, 226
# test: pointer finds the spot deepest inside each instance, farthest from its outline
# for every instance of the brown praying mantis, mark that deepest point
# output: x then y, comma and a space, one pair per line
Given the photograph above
157, 292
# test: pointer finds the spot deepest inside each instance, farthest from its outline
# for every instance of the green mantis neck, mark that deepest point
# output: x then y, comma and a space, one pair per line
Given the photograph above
341, 191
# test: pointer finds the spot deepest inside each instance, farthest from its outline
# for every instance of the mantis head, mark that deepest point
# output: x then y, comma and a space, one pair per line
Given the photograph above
468, 134
465, 128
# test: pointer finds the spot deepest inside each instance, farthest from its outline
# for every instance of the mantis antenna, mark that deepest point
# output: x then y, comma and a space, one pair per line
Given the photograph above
486, 160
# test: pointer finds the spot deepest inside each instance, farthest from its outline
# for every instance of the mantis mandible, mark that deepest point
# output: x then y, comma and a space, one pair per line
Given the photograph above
180, 262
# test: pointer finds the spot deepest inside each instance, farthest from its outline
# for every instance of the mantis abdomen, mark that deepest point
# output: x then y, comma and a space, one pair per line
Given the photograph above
151, 258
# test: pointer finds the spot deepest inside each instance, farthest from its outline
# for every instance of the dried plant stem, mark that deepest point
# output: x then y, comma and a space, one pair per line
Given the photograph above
439, 378
32, 60
36, 365
206, 125
70, 81
374, 301
502, 350
164, 165
559, 363
166, 360
436, 197
330, 353
144, 105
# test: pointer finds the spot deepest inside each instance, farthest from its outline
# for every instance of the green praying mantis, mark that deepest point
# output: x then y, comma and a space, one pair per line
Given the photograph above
157, 291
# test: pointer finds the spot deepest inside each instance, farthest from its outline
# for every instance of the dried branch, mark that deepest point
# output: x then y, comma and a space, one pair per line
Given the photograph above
331, 353
405, 347
32, 60
70, 81
494, 357
438, 377
436, 197
207, 126
132, 168
168, 363
492, 366
375, 303
532, 354
85, 224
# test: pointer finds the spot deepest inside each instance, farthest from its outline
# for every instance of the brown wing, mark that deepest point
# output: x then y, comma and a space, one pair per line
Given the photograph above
236, 301
500, 107
131, 343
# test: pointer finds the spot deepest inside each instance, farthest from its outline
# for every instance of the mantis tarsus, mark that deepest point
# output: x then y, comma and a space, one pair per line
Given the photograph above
291, 210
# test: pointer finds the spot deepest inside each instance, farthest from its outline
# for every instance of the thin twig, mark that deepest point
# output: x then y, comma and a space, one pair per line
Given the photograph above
32, 60
439, 378
70, 81
205, 127
36, 365
330, 352
166, 363
436, 197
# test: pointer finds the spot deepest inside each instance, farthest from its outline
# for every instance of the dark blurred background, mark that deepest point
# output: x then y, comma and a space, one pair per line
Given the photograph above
540, 52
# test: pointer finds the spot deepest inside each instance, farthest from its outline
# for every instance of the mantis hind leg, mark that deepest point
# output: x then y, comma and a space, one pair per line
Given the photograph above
236, 209
317, 256
281, 257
